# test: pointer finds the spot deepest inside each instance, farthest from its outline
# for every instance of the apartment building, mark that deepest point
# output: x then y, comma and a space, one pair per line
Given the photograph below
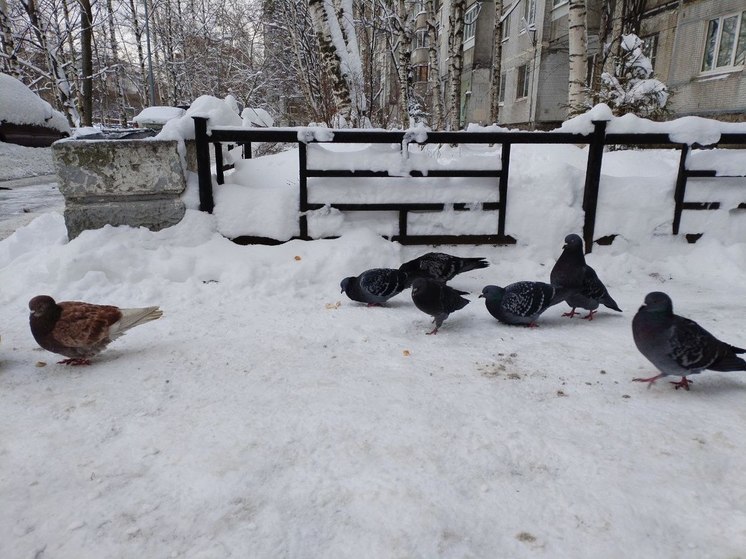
698, 49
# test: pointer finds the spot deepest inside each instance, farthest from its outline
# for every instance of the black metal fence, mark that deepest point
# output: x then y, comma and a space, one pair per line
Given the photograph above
597, 142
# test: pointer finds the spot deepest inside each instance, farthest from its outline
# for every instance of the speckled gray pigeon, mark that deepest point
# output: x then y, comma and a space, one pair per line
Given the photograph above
80, 330
437, 299
579, 280
678, 346
440, 266
520, 303
374, 286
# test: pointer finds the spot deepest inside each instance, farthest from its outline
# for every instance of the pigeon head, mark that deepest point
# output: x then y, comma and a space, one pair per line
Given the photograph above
573, 241
493, 293
657, 302
42, 305
345, 282
418, 284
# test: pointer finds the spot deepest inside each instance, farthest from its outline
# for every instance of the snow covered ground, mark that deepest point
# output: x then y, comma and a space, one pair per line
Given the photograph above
265, 415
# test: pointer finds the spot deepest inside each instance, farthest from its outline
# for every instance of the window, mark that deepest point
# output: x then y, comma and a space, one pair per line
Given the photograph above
650, 47
529, 11
556, 3
421, 73
506, 27
725, 42
501, 96
421, 39
470, 21
521, 89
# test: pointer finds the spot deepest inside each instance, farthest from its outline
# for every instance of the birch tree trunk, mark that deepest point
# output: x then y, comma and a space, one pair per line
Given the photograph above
325, 24
496, 70
354, 63
456, 63
404, 66
10, 60
578, 55
434, 62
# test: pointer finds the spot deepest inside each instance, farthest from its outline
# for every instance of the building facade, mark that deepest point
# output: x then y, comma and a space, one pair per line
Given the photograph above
697, 47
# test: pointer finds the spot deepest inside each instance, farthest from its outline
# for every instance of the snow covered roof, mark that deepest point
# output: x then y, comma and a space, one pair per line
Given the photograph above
20, 105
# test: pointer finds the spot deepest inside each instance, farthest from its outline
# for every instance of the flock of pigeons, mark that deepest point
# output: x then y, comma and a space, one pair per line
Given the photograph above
677, 346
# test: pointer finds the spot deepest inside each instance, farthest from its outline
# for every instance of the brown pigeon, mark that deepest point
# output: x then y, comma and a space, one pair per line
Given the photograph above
81, 330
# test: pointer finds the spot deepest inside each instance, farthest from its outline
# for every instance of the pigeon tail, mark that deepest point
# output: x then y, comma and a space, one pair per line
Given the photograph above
728, 363
473, 264
607, 301
134, 317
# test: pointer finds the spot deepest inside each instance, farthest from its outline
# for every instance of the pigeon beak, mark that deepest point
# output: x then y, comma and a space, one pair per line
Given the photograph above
481, 296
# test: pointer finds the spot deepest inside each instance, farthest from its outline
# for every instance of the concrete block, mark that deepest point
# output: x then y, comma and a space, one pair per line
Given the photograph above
119, 182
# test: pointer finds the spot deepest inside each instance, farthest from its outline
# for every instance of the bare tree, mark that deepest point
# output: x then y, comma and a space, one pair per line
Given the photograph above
86, 58
436, 95
9, 57
456, 58
578, 55
496, 70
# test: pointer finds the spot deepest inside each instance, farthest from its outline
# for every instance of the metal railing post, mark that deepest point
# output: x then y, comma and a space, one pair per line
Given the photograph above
592, 180
302, 191
678, 195
503, 189
206, 202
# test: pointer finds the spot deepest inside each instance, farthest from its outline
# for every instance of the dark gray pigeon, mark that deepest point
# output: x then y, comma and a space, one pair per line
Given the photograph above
520, 303
437, 299
375, 286
678, 346
440, 266
582, 287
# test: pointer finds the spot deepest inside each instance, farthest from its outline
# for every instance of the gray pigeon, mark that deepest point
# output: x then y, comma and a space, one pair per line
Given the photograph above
520, 303
80, 330
437, 299
374, 286
679, 346
440, 266
581, 284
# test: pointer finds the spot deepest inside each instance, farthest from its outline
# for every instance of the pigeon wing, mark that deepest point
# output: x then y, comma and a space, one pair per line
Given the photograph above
691, 346
83, 324
452, 299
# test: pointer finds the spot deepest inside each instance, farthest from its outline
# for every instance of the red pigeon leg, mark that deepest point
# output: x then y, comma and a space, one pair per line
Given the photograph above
683, 383
649, 380
74, 361
590, 315
571, 313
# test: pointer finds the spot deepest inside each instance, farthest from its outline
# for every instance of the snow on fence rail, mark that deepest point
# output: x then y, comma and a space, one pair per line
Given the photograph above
495, 168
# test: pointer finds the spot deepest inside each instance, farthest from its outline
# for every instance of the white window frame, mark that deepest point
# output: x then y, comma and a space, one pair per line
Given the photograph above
421, 39
526, 82
470, 21
505, 28
529, 11
730, 65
